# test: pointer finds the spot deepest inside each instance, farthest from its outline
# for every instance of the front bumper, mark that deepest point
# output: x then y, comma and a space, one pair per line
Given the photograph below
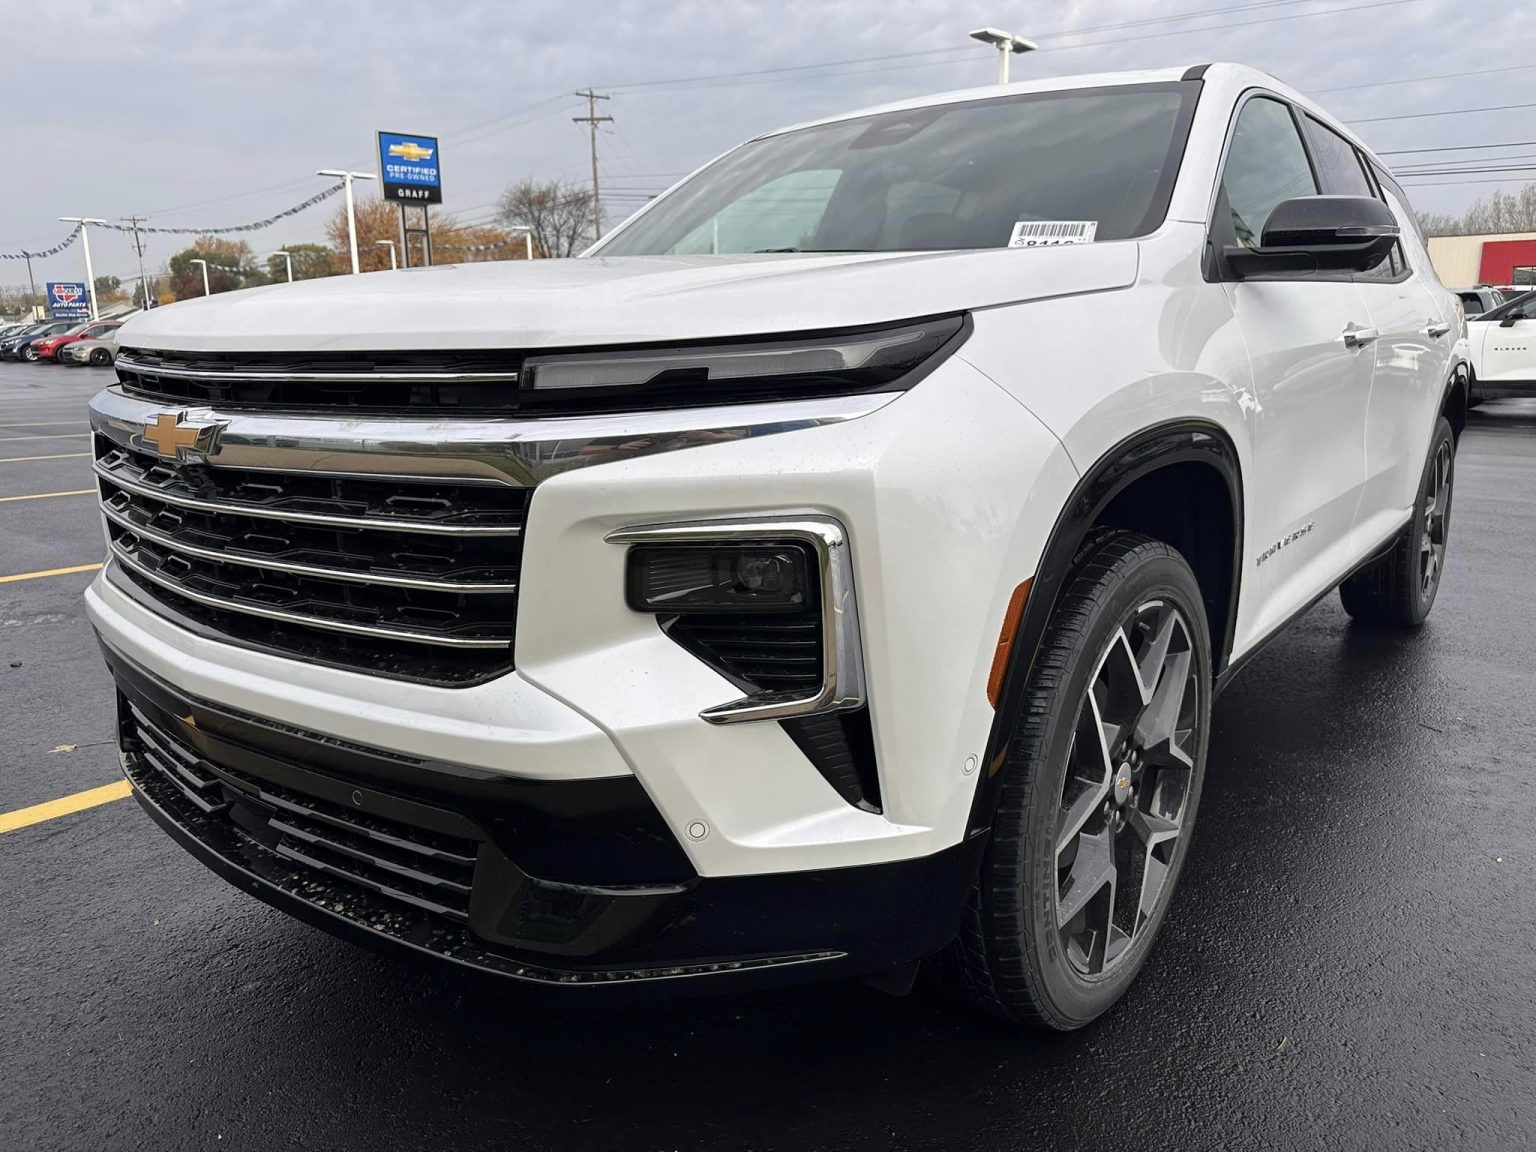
576, 884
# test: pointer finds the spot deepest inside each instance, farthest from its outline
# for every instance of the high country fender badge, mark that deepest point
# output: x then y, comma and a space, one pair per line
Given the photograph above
174, 437
1290, 538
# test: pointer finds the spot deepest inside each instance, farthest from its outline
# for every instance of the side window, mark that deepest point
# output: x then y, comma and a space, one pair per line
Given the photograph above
1266, 164
1398, 263
1337, 161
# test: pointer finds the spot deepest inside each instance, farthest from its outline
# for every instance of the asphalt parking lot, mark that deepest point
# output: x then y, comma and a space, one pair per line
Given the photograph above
1350, 963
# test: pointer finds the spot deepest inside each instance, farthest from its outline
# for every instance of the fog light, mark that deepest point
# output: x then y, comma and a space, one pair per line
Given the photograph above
690, 578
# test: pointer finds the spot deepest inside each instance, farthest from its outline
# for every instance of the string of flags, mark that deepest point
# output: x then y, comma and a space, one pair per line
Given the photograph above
252, 227
54, 251
518, 239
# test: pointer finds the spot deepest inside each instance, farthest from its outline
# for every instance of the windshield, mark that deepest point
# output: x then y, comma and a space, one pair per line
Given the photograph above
1043, 167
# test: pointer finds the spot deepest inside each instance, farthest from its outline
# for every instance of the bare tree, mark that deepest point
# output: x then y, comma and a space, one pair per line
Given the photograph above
558, 214
1501, 212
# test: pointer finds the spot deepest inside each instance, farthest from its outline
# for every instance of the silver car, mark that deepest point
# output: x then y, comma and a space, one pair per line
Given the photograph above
98, 353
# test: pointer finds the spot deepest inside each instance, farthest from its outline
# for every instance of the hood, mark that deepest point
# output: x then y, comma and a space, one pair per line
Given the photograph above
621, 300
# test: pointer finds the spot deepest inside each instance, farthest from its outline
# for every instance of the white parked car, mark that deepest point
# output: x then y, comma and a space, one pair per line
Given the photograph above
833, 569
1502, 345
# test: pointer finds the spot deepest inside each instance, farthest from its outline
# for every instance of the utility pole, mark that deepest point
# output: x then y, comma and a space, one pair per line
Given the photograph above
592, 119
138, 247
1006, 44
346, 178
32, 285
90, 273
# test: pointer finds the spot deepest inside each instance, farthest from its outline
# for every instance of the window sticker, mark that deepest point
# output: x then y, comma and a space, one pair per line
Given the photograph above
1049, 233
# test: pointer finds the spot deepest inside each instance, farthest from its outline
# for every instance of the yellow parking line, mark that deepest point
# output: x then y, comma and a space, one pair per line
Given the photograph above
45, 436
46, 495
63, 806
49, 572
61, 456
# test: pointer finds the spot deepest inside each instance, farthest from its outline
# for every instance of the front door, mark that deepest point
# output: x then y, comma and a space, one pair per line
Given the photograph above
1509, 353
1312, 382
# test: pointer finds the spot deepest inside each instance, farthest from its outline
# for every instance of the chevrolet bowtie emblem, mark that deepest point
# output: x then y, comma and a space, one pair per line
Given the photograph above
410, 150
174, 438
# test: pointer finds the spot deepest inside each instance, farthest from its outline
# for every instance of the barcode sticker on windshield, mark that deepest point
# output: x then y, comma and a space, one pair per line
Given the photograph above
1048, 233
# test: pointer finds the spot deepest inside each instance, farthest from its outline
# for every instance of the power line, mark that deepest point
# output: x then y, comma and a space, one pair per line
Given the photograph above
1447, 112
775, 76
1427, 79
968, 51
1459, 147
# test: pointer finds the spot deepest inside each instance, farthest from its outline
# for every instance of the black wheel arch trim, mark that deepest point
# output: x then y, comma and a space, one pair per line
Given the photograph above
1139, 455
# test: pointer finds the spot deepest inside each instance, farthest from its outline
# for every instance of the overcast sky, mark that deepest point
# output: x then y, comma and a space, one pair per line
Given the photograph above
216, 112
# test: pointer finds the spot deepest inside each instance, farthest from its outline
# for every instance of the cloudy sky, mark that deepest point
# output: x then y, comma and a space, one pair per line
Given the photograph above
215, 112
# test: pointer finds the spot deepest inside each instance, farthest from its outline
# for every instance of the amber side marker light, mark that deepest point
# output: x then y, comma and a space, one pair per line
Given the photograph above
1011, 620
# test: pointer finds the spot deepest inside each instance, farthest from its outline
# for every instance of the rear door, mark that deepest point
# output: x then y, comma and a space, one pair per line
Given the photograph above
1413, 342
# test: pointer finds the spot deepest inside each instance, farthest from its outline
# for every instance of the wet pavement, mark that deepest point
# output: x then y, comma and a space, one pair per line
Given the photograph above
1349, 962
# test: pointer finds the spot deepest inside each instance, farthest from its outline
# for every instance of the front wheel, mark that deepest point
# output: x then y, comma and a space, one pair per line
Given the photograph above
30, 353
100, 357
1101, 783
1399, 589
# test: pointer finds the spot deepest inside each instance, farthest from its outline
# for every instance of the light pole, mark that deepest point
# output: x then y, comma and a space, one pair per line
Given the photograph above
527, 238
346, 178
394, 263
289, 259
204, 263
90, 273
1006, 44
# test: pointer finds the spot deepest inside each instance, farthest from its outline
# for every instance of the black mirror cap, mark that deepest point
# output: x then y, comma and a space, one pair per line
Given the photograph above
1327, 221
1312, 234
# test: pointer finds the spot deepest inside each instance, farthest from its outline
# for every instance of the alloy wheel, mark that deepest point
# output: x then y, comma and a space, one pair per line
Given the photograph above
1437, 506
1127, 787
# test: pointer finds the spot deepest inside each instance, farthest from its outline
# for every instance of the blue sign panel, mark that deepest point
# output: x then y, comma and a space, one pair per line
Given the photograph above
409, 170
67, 300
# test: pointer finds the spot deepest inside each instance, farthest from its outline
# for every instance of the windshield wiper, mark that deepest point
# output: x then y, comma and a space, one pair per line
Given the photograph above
833, 251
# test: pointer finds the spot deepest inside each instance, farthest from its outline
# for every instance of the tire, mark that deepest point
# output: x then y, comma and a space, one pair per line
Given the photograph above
1398, 590
29, 354
100, 357
1474, 395
1014, 957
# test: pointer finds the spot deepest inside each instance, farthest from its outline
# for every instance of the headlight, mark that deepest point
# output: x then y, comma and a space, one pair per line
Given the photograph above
790, 368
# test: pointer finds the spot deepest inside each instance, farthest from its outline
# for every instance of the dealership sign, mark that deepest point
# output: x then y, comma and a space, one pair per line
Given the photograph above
67, 300
408, 166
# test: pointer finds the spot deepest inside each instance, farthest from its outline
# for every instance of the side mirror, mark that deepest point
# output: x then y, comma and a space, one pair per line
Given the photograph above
1312, 234
1509, 321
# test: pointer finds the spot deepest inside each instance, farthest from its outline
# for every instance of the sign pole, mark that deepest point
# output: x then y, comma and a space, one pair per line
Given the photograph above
426, 233
405, 242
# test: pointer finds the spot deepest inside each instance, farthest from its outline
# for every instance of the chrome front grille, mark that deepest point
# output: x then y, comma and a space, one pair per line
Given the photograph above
399, 576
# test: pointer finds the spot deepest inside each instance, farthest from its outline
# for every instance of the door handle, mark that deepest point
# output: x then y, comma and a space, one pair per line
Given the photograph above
1436, 328
1356, 337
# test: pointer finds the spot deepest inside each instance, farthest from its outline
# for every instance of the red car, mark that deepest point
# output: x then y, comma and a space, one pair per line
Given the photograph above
48, 349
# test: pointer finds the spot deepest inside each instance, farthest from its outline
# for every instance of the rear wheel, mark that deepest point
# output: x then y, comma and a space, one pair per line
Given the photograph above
1399, 589
1102, 781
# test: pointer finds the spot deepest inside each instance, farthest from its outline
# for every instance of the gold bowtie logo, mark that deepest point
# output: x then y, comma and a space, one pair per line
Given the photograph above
173, 437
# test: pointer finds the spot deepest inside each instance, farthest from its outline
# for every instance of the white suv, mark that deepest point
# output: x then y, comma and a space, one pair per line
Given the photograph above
833, 569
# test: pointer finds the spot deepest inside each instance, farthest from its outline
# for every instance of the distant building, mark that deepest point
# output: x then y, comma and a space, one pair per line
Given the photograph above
1463, 261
